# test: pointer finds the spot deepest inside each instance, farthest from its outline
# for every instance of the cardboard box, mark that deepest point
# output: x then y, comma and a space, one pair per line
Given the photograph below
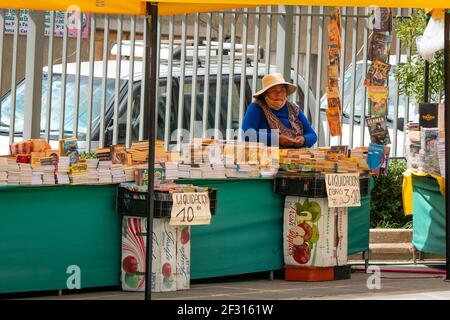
313, 234
183, 273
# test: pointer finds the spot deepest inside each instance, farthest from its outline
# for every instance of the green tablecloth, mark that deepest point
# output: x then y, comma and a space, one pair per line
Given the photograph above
44, 230
428, 215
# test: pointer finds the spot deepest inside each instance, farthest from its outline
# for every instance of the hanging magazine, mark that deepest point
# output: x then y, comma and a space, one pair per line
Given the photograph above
378, 74
334, 34
333, 55
378, 100
333, 76
382, 20
380, 47
334, 121
334, 103
378, 131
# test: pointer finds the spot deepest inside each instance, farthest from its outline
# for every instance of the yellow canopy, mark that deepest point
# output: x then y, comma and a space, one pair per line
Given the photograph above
166, 7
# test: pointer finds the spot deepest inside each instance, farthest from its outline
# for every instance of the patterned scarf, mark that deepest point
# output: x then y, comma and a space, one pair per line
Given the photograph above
275, 123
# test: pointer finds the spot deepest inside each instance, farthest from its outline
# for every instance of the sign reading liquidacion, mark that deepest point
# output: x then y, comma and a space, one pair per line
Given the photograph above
343, 190
190, 208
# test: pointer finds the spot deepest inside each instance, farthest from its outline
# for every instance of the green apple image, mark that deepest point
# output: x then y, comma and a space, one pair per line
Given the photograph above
131, 280
315, 234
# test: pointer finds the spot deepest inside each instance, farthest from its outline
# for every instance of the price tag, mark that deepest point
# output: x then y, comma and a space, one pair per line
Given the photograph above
343, 190
190, 209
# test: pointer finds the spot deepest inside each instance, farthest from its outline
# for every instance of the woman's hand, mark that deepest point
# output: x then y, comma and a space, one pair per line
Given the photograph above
285, 141
299, 142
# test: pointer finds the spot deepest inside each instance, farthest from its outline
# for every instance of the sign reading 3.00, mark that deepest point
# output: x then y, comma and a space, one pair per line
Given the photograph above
190, 208
343, 190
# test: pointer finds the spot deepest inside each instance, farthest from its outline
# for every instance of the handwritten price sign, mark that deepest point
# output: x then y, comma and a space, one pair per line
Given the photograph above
343, 190
190, 209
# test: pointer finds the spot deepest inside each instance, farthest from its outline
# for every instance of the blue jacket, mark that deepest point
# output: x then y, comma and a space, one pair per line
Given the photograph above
256, 119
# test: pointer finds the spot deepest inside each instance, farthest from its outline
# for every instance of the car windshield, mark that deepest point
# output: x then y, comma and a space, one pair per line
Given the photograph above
56, 103
359, 79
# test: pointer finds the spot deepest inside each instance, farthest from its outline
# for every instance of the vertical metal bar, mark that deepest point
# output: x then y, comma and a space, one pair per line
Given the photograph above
194, 77
231, 75
342, 66
219, 78
104, 82
169, 86
158, 63
397, 97
243, 69
48, 113
297, 36
284, 40
143, 84
207, 67
447, 139
33, 75
91, 82
149, 105
182, 76
2, 36
317, 125
353, 83
130, 81
362, 123
117, 80
256, 50
62, 110
77, 77
12, 116
268, 39
308, 62
406, 119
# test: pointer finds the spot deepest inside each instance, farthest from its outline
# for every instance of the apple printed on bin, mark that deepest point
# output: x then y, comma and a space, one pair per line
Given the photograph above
167, 274
305, 230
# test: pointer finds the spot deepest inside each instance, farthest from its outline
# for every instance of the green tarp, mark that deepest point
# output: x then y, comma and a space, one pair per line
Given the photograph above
428, 215
45, 230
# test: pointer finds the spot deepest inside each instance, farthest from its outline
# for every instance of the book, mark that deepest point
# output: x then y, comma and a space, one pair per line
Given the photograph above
333, 55
428, 115
334, 121
119, 154
382, 20
380, 46
69, 148
334, 102
333, 76
377, 74
334, 34
376, 157
340, 150
429, 155
332, 92
378, 99
378, 131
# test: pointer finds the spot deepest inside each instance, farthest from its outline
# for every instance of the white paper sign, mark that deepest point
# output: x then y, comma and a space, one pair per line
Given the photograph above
343, 190
190, 209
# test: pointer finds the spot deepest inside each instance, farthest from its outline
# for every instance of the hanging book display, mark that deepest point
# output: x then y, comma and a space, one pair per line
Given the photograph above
334, 111
378, 98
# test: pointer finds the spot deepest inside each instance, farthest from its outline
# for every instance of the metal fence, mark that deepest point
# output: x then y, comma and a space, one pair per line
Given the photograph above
210, 64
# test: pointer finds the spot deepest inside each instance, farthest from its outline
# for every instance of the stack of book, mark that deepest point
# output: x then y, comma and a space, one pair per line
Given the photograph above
79, 172
62, 170
171, 170
207, 171
428, 155
92, 170
26, 174
117, 173
103, 154
184, 171
37, 176
441, 155
3, 171
48, 169
104, 172
219, 171
129, 173
139, 151
196, 173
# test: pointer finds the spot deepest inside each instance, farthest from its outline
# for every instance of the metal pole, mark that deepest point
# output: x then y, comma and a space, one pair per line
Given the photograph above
447, 138
33, 75
150, 105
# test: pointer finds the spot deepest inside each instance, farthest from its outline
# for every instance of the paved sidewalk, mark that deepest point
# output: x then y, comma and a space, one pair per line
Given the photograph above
393, 286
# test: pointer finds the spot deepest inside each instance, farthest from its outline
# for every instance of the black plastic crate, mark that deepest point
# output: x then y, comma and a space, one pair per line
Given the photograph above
133, 203
310, 185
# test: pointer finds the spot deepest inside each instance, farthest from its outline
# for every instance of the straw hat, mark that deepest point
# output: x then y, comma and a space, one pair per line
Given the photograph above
274, 79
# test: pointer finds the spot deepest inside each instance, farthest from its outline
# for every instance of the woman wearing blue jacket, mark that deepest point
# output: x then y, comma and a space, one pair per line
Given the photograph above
271, 110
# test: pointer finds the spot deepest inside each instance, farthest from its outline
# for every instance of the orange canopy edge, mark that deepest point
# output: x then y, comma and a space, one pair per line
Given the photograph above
168, 7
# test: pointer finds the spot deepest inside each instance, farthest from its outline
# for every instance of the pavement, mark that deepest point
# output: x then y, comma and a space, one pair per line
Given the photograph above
403, 282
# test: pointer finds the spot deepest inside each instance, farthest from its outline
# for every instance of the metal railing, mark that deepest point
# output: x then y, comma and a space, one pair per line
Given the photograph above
210, 64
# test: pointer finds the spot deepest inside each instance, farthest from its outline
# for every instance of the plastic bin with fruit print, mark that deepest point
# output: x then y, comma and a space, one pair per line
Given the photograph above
313, 234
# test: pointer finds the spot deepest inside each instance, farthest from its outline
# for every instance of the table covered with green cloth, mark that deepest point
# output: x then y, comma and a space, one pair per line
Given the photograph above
45, 231
428, 216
